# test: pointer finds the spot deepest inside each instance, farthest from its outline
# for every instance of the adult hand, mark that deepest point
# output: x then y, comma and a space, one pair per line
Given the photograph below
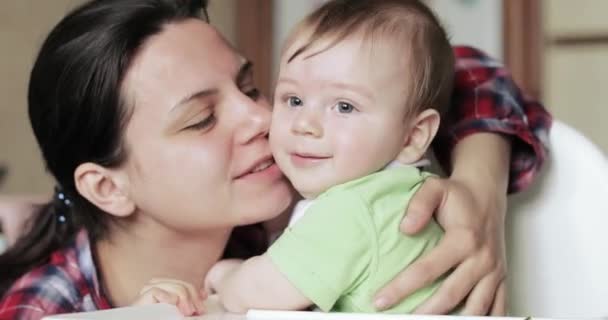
471, 207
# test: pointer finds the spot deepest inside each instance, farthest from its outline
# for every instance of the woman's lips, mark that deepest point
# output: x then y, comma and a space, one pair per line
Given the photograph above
267, 172
264, 168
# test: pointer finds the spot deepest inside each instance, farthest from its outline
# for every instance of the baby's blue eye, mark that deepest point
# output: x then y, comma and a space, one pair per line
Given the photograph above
345, 107
294, 102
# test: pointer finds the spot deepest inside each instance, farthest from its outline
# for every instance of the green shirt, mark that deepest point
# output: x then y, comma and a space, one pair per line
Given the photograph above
348, 244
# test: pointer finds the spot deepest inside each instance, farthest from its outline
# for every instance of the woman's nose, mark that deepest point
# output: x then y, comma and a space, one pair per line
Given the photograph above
254, 119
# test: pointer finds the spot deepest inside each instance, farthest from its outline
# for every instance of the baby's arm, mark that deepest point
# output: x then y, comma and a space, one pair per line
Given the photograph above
255, 283
313, 262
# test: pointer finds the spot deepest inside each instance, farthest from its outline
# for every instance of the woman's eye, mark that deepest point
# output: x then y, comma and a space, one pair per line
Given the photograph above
345, 107
204, 124
254, 94
294, 102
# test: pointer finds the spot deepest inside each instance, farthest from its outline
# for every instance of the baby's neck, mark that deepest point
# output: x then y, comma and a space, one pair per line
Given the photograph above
423, 162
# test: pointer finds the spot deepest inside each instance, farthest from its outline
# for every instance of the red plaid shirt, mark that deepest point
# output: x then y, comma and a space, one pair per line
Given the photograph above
485, 100
68, 283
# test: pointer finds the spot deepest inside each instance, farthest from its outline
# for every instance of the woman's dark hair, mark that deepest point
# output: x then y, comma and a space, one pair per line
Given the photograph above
78, 114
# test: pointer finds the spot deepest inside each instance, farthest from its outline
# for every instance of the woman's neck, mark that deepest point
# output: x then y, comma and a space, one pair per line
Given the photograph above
128, 259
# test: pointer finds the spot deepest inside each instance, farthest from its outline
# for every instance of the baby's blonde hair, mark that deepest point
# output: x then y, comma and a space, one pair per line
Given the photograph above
408, 22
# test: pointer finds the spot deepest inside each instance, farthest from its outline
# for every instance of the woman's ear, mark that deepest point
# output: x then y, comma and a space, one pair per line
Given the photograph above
105, 188
419, 137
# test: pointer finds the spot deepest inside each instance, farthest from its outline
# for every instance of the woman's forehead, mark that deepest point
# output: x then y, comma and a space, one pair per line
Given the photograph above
188, 44
185, 56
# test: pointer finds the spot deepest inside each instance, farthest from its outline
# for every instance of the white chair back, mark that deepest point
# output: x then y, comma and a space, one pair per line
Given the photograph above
557, 234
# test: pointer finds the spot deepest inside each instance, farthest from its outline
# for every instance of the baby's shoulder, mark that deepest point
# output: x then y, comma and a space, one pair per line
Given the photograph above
389, 183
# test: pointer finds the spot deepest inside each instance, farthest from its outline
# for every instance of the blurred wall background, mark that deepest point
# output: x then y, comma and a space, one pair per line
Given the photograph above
23, 25
568, 46
575, 65
475, 23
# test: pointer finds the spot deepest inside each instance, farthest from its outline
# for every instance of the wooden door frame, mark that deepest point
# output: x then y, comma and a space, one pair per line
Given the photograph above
524, 43
254, 38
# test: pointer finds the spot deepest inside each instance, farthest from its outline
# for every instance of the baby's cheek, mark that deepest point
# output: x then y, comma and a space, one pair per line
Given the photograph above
274, 137
276, 147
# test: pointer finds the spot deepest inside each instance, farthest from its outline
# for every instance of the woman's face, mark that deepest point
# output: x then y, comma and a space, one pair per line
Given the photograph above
198, 153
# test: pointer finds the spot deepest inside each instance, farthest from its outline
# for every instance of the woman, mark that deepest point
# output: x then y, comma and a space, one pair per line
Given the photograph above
156, 135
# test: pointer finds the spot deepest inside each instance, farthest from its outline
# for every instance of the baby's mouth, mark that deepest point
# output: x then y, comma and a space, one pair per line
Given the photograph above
307, 159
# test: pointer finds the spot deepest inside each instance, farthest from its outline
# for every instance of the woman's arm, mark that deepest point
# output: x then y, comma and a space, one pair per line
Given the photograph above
493, 140
487, 100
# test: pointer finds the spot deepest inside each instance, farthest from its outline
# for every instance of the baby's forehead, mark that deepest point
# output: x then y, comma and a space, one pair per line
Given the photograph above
377, 64
350, 61
369, 47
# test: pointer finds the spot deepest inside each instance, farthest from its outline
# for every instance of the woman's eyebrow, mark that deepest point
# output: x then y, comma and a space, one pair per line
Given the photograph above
244, 71
196, 95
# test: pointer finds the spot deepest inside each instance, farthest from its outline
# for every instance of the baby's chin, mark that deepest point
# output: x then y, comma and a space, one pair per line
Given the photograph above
309, 190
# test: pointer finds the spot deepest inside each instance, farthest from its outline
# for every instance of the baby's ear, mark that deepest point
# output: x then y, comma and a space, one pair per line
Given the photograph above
419, 137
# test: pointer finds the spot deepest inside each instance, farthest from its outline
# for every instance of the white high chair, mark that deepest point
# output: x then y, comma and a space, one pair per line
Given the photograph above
557, 234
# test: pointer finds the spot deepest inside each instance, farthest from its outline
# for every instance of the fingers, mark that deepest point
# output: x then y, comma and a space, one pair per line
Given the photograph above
453, 290
482, 297
499, 307
207, 287
165, 293
197, 296
420, 274
152, 295
189, 300
422, 206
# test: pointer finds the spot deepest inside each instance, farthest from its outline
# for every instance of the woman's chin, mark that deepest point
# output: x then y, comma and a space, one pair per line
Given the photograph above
268, 207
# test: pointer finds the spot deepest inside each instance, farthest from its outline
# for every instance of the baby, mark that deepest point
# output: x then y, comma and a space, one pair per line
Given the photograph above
358, 100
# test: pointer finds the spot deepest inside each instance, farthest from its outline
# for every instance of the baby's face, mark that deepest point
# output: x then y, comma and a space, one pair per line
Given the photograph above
338, 115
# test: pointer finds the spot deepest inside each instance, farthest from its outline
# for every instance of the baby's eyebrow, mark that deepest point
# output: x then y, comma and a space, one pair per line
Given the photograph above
337, 85
287, 80
353, 88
